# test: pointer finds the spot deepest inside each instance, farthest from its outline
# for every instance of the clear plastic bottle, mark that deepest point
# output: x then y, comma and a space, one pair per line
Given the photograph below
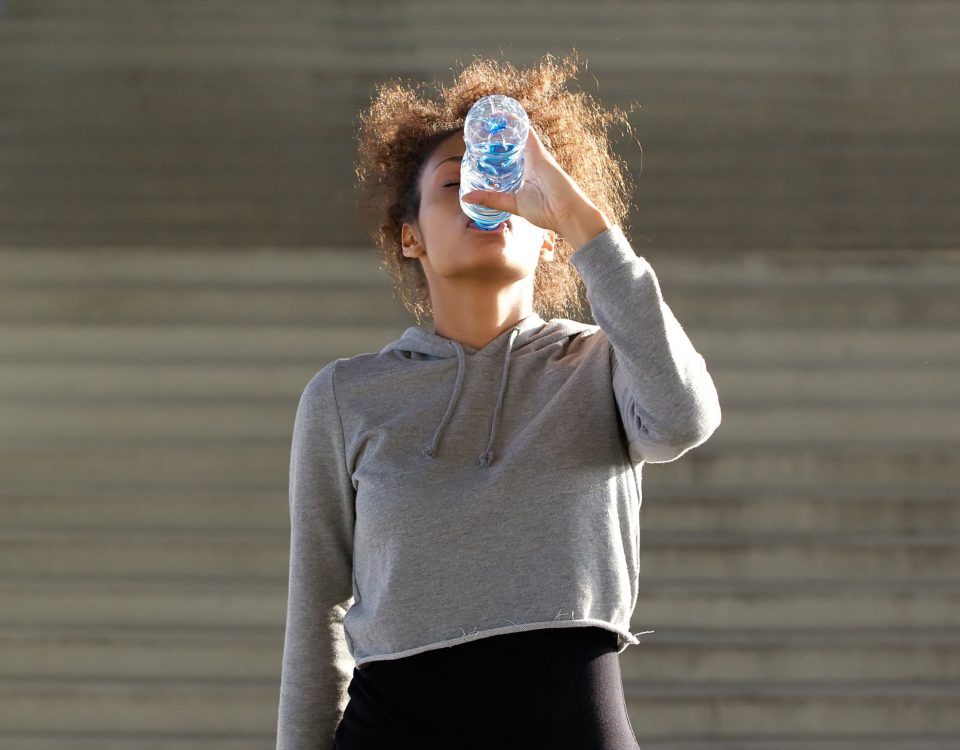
495, 135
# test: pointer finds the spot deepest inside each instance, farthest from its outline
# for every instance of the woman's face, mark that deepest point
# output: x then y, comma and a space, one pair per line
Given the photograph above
449, 249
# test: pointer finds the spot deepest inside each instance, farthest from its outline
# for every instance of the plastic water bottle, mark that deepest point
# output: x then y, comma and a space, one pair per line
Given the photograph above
495, 135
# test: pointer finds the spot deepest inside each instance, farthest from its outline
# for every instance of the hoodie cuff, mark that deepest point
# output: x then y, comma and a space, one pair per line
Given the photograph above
608, 252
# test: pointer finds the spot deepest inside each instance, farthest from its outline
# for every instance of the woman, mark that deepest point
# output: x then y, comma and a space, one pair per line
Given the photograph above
465, 503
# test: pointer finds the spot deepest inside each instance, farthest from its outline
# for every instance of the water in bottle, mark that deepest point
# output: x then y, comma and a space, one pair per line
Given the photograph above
495, 135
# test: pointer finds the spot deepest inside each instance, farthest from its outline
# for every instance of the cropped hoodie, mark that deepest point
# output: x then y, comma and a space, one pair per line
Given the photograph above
440, 493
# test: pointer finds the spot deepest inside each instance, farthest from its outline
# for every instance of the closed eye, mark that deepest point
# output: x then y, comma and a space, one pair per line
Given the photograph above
451, 183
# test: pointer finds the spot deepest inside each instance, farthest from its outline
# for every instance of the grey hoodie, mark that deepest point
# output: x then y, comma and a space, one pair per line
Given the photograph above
441, 493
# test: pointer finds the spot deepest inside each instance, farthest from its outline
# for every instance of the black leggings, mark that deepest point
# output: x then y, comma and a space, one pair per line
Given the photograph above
554, 688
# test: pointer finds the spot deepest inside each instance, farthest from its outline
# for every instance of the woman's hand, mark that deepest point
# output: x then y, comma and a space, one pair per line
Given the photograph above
548, 198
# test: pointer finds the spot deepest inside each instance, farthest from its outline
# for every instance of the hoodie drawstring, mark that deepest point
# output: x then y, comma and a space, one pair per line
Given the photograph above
432, 448
486, 458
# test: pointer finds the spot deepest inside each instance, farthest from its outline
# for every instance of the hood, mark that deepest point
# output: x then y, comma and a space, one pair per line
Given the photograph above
529, 334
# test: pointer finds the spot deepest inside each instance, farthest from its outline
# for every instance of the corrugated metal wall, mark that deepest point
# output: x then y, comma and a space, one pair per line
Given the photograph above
764, 124
177, 260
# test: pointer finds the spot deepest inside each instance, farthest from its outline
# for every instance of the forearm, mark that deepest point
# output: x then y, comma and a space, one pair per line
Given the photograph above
584, 223
668, 399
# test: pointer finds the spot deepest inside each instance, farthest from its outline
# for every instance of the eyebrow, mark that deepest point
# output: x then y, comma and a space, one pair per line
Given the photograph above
449, 158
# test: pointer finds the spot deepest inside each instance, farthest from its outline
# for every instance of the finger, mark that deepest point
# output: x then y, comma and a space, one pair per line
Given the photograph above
535, 136
536, 145
492, 199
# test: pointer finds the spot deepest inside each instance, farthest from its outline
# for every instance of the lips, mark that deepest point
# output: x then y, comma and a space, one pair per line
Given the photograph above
499, 228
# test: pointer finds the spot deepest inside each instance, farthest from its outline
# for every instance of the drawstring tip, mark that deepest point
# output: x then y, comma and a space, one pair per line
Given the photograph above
486, 458
428, 451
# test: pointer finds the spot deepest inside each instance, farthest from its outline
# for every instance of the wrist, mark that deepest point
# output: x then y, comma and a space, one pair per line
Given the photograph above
584, 223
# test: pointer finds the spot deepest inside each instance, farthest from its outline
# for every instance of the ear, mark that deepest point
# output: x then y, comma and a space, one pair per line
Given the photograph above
410, 240
549, 243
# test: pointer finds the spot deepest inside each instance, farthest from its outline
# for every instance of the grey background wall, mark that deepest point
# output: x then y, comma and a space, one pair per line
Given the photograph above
764, 124
177, 259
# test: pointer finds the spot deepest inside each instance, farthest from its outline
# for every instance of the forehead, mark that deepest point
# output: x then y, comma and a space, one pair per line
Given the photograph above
452, 145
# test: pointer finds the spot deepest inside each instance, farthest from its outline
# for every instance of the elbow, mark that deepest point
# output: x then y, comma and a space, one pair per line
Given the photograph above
701, 426
703, 417
693, 431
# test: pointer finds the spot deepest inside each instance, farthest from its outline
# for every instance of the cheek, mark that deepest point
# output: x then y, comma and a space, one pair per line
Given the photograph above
440, 218
430, 210
442, 201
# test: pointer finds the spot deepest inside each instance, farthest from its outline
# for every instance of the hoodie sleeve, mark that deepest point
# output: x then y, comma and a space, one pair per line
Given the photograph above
666, 398
317, 665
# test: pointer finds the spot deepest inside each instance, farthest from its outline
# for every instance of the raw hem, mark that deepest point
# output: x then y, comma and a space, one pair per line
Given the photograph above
628, 638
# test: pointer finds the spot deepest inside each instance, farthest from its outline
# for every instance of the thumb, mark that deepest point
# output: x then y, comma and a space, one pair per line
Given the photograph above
492, 199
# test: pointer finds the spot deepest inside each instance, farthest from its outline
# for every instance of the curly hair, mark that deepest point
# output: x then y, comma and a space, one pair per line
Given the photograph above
400, 130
